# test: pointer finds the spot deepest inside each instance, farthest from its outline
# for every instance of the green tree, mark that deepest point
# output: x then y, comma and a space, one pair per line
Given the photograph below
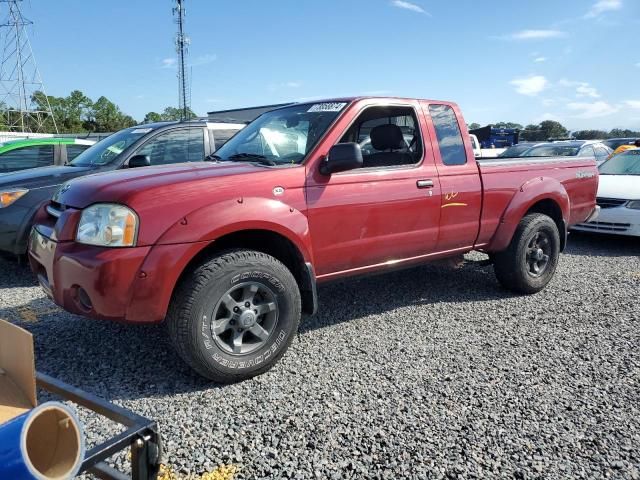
532, 133
105, 116
169, 114
473, 126
152, 117
590, 134
553, 129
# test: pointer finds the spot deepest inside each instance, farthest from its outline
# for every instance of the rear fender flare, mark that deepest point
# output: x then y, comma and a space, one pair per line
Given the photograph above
530, 193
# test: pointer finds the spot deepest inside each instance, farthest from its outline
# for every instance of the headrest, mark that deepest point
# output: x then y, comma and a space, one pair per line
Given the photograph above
387, 137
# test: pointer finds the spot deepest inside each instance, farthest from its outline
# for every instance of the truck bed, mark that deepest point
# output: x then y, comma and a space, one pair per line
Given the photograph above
502, 177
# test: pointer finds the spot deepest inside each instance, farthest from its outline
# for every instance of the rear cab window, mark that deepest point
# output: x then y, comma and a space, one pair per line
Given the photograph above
449, 136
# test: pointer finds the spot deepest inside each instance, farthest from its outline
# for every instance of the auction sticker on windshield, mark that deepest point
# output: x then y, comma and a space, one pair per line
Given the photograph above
327, 107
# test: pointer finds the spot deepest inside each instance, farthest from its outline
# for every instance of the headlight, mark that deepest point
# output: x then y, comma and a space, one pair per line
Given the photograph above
7, 197
108, 225
635, 204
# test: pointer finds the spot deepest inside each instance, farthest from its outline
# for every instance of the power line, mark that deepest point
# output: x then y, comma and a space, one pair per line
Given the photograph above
182, 48
24, 102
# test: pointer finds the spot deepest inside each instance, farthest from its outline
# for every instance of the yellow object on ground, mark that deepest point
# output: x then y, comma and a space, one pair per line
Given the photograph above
223, 472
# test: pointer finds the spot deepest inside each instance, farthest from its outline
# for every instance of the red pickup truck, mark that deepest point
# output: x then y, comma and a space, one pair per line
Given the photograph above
228, 253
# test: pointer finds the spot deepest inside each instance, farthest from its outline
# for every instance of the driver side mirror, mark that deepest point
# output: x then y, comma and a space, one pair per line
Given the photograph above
139, 161
342, 157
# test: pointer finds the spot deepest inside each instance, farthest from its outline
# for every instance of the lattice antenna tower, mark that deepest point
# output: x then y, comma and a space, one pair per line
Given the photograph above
182, 49
19, 75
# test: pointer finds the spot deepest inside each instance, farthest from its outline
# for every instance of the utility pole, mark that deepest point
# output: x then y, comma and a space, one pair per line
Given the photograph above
182, 48
19, 76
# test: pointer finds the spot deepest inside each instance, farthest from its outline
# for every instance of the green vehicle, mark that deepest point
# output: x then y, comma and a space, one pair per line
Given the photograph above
39, 152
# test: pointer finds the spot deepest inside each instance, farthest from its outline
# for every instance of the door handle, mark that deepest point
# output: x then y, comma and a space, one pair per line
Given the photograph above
424, 183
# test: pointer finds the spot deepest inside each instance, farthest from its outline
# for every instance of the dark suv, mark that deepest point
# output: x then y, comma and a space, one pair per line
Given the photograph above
23, 192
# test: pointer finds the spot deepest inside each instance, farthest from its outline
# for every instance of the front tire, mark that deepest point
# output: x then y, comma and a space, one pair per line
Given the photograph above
234, 315
529, 262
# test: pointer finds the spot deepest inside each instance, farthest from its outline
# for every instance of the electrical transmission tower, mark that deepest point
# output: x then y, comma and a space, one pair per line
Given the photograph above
19, 76
182, 48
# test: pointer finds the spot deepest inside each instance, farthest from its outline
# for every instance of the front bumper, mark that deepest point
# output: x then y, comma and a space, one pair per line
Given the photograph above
618, 220
119, 284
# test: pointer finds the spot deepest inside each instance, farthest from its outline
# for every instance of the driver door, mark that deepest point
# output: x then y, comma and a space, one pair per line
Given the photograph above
376, 216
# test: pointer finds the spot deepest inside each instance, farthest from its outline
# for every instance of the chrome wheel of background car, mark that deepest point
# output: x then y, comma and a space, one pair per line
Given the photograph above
244, 318
537, 253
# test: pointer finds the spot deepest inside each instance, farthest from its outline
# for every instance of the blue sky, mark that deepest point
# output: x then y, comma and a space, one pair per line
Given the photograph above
576, 61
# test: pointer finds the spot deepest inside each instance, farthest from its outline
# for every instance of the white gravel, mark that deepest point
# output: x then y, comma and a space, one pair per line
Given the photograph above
427, 373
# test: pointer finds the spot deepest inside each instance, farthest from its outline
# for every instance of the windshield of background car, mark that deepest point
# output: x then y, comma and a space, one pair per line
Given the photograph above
616, 142
552, 151
515, 151
107, 150
282, 136
626, 163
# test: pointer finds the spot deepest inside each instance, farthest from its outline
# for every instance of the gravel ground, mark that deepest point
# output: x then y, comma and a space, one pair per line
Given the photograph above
427, 373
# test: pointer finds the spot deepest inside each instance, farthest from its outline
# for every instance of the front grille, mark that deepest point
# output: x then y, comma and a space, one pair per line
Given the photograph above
605, 226
609, 202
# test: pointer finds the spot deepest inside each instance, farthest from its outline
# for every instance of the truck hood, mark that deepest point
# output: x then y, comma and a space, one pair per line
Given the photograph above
162, 183
623, 187
41, 177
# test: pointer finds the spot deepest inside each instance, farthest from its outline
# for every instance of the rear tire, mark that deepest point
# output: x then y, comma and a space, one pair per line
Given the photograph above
235, 315
530, 260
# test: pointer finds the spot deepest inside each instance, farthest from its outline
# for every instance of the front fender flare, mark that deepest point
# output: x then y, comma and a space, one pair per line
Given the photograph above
529, 193
249, 213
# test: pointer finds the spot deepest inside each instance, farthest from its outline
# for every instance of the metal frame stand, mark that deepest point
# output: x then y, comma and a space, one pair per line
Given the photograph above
141, 434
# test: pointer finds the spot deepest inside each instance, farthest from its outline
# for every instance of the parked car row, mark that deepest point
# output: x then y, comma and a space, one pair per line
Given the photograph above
618, 196
569, 148
23, 192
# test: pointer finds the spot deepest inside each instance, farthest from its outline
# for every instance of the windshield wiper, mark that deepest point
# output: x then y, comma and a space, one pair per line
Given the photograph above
253, 157
212, 157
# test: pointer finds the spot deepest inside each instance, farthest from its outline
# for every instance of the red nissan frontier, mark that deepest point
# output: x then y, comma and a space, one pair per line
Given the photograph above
229, 252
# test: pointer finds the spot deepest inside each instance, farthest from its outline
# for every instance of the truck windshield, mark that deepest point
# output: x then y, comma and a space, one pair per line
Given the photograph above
283, 136
626, 163
107, 150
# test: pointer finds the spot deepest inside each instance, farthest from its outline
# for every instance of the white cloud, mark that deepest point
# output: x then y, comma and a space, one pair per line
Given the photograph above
168, 62
638, 64
592, 110
540, 59
583, 89
535, 35
633, 103
603, 6
531, 86
292, 84
409, 6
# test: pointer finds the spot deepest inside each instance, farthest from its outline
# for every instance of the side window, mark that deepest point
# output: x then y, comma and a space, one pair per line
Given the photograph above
586, 151
388, 137
449, 137
176, 146
601, 153
74, 150
26, 157
220, 137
